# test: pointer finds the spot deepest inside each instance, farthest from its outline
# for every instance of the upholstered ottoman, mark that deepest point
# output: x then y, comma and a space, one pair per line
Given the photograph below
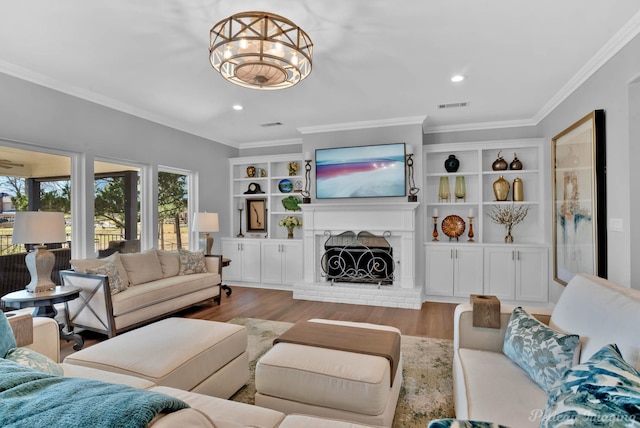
295, 378
207, 357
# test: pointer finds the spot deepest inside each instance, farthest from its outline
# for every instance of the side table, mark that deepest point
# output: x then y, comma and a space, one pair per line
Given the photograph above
44, 306
226, 288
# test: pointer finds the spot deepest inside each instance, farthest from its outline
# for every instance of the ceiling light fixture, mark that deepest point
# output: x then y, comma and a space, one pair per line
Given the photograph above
457, 78
260, 50
237, 107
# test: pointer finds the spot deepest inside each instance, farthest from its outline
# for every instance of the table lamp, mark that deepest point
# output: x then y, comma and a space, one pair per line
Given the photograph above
39, 227
206, 222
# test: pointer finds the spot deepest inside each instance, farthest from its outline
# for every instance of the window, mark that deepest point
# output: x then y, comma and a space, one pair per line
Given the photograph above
116, 208
31, 181
173, 209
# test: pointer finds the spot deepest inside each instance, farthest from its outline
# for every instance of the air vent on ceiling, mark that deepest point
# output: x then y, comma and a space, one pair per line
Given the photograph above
268, 125
454, 105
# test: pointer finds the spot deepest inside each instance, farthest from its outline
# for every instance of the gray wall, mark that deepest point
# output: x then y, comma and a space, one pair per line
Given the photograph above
610, 89
43, 117
634, 180
615, 87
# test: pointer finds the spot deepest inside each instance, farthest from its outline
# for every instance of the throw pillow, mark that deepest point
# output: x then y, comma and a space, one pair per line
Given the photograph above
7, 339
170, 261
191, 262
82, 265
457, 423
142, 267
603, 391
542, 352
30, 358
109, 269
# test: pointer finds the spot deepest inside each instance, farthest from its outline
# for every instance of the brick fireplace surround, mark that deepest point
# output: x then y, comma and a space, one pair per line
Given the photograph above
396, 218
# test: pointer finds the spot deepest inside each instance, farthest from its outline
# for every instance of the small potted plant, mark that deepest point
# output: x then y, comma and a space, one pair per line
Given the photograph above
508, 216
290, 222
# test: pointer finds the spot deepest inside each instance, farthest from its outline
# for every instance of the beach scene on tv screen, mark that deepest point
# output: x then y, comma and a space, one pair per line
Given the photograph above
360, 172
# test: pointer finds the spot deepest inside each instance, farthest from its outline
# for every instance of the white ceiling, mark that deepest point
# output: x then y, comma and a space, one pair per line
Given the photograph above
374, 61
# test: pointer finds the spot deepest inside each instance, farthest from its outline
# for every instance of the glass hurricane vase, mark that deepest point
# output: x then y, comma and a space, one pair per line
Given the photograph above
460, 189
444, 192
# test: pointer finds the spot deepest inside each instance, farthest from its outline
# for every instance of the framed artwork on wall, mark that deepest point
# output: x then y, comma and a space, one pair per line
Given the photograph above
579, 199
257, 215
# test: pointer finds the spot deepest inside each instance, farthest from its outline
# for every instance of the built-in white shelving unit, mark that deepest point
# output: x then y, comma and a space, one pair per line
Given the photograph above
515, 271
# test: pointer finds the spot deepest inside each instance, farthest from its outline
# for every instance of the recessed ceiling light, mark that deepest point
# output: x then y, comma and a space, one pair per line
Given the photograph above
457, 78
237, 107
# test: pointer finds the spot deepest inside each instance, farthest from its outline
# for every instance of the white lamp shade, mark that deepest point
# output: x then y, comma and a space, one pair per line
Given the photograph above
39, 227
205, 222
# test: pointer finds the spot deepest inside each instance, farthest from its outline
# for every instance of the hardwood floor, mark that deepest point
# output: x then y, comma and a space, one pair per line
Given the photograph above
432, 320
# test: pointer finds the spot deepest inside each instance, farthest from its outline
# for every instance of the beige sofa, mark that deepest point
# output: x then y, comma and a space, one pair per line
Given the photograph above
204, 412
488, 386
124, 291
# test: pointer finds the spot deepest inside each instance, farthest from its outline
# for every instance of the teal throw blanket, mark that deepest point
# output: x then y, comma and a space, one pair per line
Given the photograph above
29, 398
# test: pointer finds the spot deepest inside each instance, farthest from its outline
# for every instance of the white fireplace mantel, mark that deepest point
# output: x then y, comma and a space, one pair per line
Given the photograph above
398, 218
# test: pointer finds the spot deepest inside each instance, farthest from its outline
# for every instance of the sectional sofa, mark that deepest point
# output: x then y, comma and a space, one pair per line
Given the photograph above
523, 375
124, 291
204, 411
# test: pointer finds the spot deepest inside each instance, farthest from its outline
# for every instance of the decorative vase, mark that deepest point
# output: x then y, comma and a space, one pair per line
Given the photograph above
501, 189
515, 164
289, 232
518, 190
499, 164
460, 189
509, 238
293, 168
444, 194
451, 164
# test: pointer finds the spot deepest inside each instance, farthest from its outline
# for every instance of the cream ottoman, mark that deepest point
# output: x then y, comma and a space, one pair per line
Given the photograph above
329, 383
207, 357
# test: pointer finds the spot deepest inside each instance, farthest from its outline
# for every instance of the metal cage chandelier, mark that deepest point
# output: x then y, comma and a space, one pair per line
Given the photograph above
260, 50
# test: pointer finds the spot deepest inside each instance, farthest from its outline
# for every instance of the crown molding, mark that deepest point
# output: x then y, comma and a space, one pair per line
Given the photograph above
630, 30
478, 126
415, 120
93, 97
272, 143
621, 38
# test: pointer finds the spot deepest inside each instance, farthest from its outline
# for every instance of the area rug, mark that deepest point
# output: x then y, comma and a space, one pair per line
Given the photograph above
427, 385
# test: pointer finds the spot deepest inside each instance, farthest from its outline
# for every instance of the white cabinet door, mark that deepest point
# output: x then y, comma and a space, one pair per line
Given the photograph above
281, 262
245, 260
532, 274
292, 262
439, 275
272, 262
250, 260
231, 250
467, 274
518, 273
499, 272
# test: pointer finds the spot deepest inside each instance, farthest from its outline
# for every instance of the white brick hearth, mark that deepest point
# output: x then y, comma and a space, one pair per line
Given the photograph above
396, 218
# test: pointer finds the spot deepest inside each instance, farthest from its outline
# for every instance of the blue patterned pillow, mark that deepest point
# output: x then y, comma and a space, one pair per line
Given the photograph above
602, 392
7, 339
455, 423
539, 350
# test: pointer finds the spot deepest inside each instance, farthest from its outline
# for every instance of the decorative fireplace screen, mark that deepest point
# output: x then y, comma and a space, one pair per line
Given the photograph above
363, 258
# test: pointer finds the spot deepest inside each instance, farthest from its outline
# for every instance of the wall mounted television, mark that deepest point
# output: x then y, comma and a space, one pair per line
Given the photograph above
361, 172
